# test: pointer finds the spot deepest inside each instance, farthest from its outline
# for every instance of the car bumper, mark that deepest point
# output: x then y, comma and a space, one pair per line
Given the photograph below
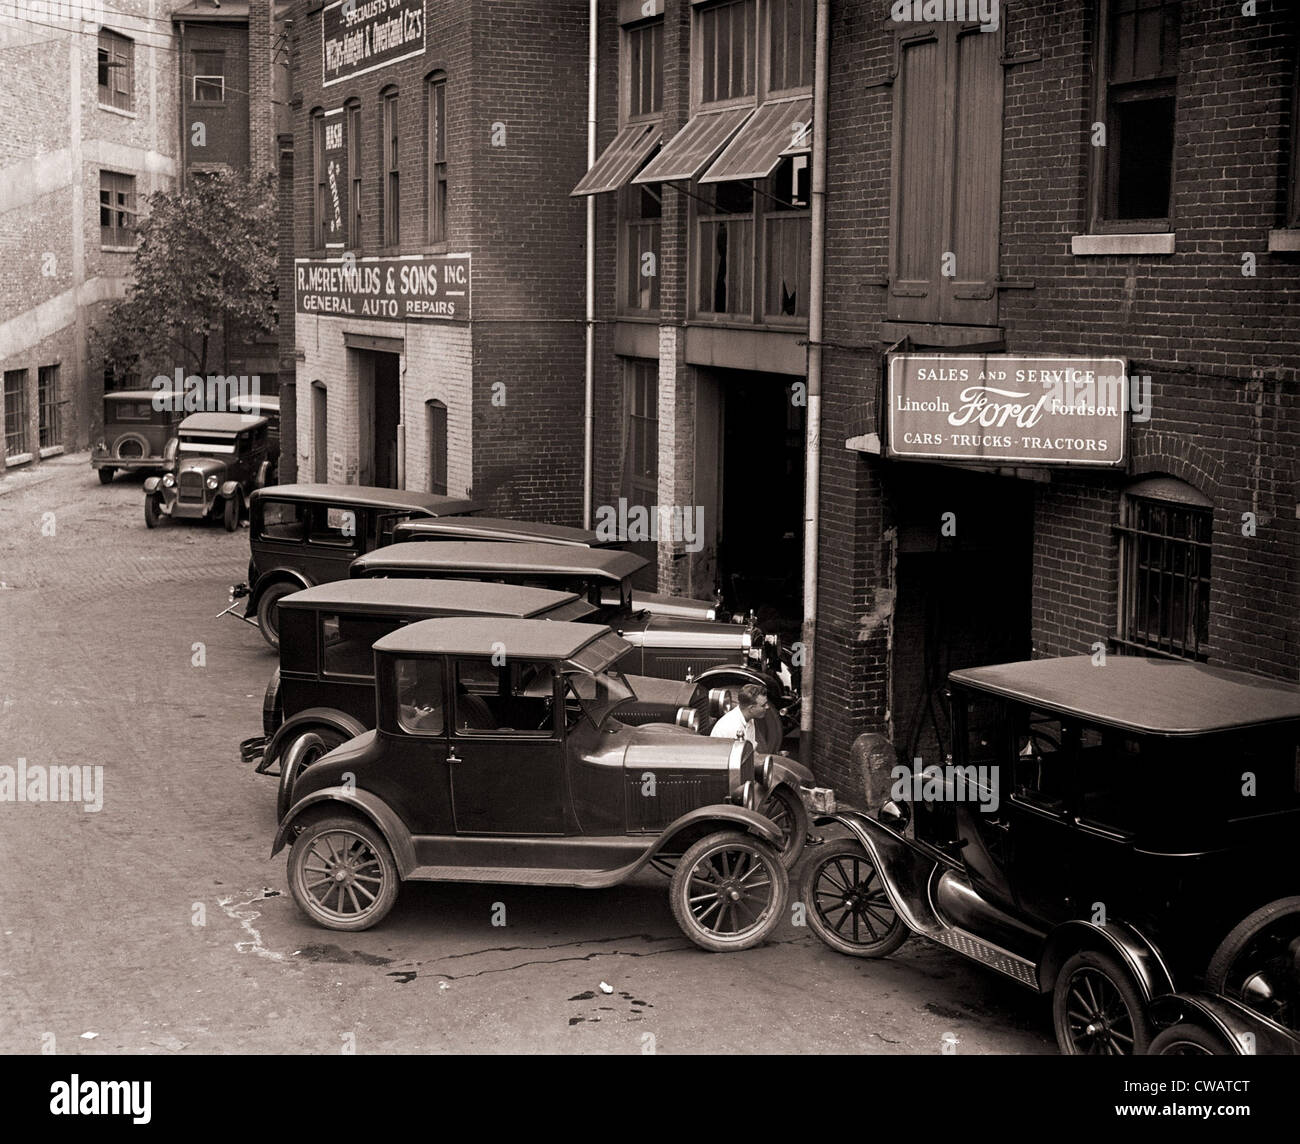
128, 464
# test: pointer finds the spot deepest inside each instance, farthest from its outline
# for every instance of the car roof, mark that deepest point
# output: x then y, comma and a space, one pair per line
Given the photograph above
1152, 696
259, 402
219, 422
489, 635
492, 556
498, 528
134, 394
406, 499
468, 597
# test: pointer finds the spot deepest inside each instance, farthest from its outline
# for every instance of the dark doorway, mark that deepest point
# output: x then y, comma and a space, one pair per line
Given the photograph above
387, 411
760, 550
320, 448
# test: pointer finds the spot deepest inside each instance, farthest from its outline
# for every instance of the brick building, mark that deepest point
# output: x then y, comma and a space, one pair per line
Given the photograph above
87, 131
439, 260
1114, 178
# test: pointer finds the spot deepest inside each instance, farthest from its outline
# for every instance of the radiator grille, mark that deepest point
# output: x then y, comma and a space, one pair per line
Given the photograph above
190, 487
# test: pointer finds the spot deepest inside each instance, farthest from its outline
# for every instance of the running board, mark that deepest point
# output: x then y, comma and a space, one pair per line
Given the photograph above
522, 876
986, 953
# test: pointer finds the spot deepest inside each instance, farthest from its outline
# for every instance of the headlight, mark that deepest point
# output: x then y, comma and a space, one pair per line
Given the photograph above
721, 700
740, 765
212, 483
748, 797
689, 718
765, 773
168, 480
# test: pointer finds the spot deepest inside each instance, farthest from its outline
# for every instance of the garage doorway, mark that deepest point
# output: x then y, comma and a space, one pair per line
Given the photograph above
378, 416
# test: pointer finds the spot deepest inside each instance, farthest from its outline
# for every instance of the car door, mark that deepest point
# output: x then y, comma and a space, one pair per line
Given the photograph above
415, 776
507, 748
335, 537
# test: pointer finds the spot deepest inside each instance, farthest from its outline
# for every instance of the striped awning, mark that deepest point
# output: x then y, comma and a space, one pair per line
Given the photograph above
622, 159
776, 129
690, 150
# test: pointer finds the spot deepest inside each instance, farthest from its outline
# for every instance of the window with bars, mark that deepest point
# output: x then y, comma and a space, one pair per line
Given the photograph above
436, 90
727, 49
116, 209
1165, 576
209, 77
390, 232
16, 443
352, 113
47, 398
116, 70
644, 47
1134, 171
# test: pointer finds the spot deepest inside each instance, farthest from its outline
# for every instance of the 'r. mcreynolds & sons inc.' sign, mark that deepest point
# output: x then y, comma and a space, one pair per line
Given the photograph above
1011, 410
431, 287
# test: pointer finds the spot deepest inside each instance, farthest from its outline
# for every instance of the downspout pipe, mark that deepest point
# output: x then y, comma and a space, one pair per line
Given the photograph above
589, 400
812, 445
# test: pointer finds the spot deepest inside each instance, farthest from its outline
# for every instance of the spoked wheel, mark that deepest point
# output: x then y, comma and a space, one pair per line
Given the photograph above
786, 812
342, 874
1188, 1040
1258, 963
848, 906
297, 756
728, 891
1097, 1009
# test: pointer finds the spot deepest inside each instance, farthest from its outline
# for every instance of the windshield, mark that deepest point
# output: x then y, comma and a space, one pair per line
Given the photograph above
594, 695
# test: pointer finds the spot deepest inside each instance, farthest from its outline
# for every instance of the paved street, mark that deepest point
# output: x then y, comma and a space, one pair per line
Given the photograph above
110, 654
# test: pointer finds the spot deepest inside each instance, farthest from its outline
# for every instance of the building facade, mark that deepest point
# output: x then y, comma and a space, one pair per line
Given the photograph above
438, 277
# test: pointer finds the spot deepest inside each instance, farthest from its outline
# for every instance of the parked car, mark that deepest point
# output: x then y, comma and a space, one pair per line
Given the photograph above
1099, 834
726, 656
220, 459
264, 405
516, 771
300, 535
137, 437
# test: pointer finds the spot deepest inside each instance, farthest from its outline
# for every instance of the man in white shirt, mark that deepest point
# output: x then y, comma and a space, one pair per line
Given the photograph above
738, 723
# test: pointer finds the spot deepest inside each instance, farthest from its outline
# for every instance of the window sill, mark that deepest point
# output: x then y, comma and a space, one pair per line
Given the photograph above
51, 451
18, 459
117, 249
119, 111
1100, 244
1285, 241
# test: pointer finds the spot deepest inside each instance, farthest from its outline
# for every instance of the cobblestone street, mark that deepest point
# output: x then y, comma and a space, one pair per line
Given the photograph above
174, 929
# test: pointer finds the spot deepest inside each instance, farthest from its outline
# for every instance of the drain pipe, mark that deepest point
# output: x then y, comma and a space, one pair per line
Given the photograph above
813, 447
589, 399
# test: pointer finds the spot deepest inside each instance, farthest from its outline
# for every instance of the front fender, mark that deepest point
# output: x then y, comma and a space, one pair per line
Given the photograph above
358, 802
229, 488
739, 674
724, 815
152, 484
308, 720
790, 772
1241, 1029
1137, 954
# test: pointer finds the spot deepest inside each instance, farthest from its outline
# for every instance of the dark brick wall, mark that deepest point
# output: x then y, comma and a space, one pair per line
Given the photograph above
225, 125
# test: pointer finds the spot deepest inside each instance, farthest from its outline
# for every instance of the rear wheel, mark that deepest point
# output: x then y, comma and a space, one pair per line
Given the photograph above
1097, 1009
268, 611
1188, 1040
1258, 963
106, 475
847, 904
153, 513
728, 892
342, 874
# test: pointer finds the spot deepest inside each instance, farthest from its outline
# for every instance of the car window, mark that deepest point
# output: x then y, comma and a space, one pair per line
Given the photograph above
333, 525
513, 698
283, 520
983, 726
386, 524
130, 411
419, 696
347, 643
1039, 741
1112, 777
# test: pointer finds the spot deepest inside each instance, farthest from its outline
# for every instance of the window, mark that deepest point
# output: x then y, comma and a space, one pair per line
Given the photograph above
320, 433
726, 38
47, 403
320, 215
390, 205
116, 70
1040, 767
641, 417
787, 241
437, 417
517, 698
16, 413
353, 116
644, 68
283, 520
116, 209
642, 216
437, 189
1133, 172
725, 249
346, 643
1165, 549
420, 701
333, 525
792, 40
209, 77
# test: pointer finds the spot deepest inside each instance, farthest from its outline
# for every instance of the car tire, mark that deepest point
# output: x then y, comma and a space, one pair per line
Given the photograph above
232, 511
1188, 1040
1269, 941
106, 475
268, 621
334, 863
152, 510
1093, 985
297, 755
785, 809
846, 903
744, 865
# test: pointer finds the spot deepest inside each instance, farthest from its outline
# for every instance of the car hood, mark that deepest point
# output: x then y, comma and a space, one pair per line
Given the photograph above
207, 466
679, 606
675, 748
674, 630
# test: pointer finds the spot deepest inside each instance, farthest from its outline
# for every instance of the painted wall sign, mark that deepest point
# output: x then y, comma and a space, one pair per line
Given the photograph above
1006, 409
359, 36
433, 287
334, 154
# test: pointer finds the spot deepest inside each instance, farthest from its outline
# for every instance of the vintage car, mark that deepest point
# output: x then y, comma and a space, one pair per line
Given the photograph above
137, 436
1121, 835
220, 459
300, 535
725, 656
264, 405
514, 770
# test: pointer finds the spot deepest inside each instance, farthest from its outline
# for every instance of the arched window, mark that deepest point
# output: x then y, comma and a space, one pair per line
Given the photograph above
1164, 587
436, 416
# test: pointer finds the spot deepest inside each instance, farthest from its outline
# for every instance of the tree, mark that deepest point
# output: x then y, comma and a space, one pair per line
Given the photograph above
205, 264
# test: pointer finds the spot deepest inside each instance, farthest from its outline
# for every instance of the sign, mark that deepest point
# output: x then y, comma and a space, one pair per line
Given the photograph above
359, 36
334, 155
420, 287
1004, 409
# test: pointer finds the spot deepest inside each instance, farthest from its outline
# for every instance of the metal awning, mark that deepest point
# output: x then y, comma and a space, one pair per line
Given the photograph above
776, 129
621, 159
694, 145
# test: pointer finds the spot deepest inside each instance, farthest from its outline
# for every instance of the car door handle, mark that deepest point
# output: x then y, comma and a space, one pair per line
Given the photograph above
452, 757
